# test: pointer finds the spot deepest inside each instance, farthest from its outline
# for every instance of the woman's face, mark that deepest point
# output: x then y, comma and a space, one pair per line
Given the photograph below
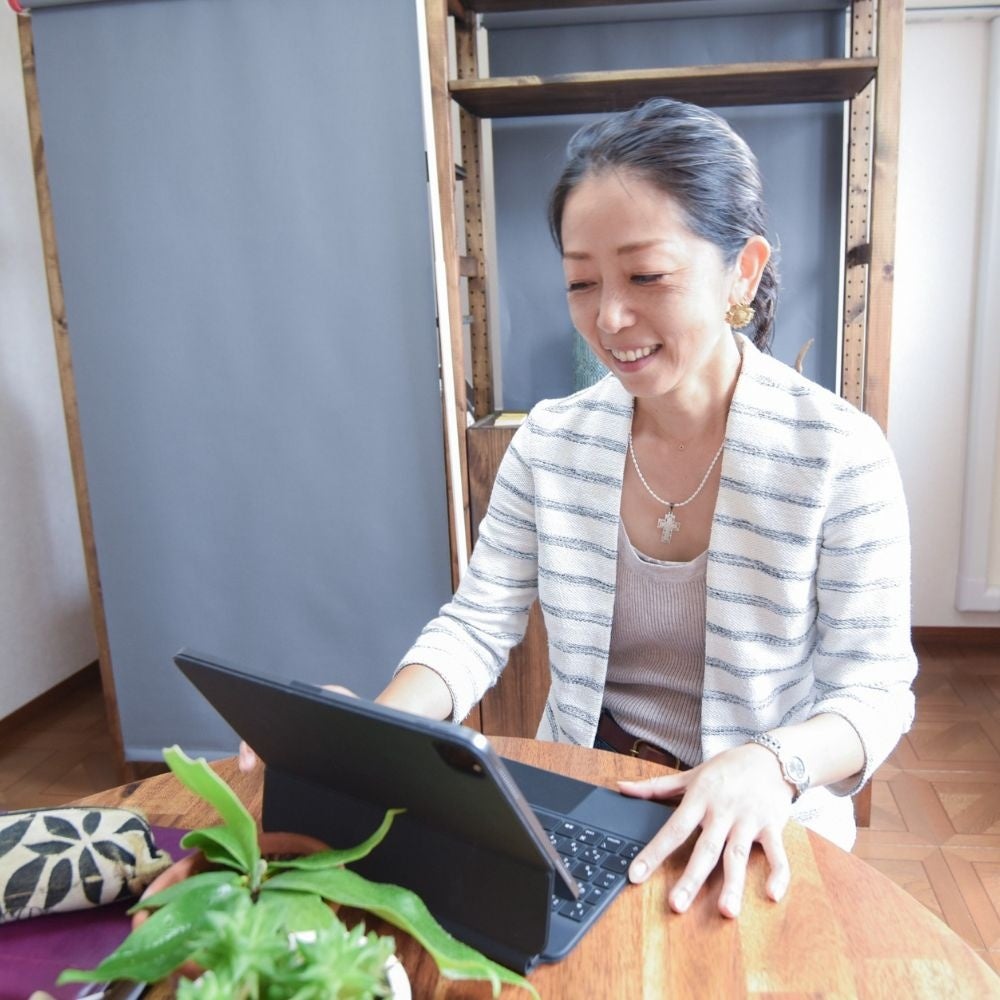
647, 294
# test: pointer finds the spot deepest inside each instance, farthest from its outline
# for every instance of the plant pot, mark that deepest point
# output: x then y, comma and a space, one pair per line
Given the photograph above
273, 846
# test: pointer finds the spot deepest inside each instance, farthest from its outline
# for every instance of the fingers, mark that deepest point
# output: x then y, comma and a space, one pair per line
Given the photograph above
728, 804
716, 841
705, 856
248, 760
781, 872
735, 859
663, 786
668, 839
337, 689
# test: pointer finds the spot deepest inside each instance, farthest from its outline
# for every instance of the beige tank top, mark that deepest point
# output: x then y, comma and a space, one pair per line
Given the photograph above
656, 666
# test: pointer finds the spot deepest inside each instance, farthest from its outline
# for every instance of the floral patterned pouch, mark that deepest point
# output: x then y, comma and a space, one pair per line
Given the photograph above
72, 858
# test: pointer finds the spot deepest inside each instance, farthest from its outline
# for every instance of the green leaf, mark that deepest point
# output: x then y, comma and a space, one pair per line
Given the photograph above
166, 940
199, 778
339, 963
405, 910
334, 858
298, 911
219, 845
245, 942
182, 888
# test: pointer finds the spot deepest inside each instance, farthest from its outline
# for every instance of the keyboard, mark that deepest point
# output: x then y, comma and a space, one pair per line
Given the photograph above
597, 859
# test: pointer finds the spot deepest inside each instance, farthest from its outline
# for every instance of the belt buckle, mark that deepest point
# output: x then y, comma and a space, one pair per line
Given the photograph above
670, 759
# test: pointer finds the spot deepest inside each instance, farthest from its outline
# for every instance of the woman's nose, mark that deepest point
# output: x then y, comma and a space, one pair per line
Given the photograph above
614, 313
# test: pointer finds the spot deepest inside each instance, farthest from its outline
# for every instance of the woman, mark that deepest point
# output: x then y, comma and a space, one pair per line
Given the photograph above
719, 546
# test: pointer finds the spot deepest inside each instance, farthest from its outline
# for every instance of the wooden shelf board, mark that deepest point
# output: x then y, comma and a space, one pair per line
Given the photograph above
712, 86
508, 6
726, 7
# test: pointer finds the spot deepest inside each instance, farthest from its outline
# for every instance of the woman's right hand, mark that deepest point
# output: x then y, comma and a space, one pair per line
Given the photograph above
248, 760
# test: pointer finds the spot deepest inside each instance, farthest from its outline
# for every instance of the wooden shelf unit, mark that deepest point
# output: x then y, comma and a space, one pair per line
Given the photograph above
712, 86
867, 78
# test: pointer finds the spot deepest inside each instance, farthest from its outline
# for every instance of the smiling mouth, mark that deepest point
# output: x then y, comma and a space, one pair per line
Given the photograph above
643, 352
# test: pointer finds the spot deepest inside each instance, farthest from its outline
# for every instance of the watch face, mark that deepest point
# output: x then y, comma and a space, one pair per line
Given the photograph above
795, 767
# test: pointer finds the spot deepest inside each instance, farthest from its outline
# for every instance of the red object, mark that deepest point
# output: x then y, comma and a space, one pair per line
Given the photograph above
16, 7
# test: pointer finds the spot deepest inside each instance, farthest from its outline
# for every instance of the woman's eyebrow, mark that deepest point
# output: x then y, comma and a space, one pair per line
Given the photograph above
643, 245
627, 248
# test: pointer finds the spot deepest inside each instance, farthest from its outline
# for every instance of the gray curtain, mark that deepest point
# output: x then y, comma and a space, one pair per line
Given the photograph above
242, 219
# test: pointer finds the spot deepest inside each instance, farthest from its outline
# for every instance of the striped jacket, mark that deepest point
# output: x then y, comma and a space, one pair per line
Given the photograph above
807, 605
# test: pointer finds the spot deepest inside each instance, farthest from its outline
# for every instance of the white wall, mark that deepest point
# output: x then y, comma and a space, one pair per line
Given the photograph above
46, 630
945, 71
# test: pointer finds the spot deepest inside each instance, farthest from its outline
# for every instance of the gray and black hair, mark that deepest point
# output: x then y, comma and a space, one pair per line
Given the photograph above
693, 155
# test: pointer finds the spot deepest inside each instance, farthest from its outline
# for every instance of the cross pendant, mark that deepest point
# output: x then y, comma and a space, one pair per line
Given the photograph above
668, 525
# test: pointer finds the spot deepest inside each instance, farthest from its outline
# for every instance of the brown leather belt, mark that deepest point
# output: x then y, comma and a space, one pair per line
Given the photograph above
624, 742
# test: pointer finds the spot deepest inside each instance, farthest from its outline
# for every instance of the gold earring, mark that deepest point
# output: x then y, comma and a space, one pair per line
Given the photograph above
739, 314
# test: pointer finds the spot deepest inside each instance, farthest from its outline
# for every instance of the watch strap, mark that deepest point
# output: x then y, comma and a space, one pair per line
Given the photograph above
793, 768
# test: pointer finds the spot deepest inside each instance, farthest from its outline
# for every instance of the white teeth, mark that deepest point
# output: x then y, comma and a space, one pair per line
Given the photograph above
643, 352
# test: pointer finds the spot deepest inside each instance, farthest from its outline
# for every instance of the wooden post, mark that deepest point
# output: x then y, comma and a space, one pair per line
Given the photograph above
885, 160
468, 69
857, 247
67, 385
443, 174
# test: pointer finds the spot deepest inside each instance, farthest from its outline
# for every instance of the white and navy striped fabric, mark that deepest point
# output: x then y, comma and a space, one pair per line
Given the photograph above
807, 585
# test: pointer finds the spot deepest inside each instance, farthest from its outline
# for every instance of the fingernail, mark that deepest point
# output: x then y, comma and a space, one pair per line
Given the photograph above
778, 890
638, 871
681, 900
732, 905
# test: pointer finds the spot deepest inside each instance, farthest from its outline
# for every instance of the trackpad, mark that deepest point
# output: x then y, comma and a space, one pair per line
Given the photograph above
547, 790
602, 808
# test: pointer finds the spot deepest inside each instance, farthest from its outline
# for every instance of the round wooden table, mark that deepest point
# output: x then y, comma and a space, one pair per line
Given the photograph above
843, 929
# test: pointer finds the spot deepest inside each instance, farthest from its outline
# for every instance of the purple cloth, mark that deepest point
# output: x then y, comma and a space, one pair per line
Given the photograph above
34, 951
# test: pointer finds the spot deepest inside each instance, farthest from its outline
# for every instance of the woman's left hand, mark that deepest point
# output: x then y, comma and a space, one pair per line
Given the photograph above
737, 798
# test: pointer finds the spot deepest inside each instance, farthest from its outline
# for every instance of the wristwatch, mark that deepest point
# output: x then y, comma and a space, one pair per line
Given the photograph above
793, 767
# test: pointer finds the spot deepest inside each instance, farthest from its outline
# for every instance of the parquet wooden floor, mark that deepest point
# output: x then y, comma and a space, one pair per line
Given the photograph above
59, 752
935, 827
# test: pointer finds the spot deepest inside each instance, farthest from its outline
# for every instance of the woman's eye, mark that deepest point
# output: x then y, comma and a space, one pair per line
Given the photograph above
578, 286
646, 279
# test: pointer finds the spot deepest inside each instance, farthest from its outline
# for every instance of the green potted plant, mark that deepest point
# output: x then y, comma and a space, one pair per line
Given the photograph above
240, 925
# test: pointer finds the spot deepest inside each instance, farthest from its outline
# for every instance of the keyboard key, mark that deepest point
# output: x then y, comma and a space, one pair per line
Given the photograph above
597, 861
569, 848
608, 880
575, 911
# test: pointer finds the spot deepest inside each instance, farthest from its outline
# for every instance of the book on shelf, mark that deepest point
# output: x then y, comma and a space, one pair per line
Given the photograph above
509, 418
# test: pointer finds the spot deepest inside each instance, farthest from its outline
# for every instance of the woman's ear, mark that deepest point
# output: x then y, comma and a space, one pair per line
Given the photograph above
750, 266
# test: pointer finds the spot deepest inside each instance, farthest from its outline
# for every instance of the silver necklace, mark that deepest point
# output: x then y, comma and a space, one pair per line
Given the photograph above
668, 524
